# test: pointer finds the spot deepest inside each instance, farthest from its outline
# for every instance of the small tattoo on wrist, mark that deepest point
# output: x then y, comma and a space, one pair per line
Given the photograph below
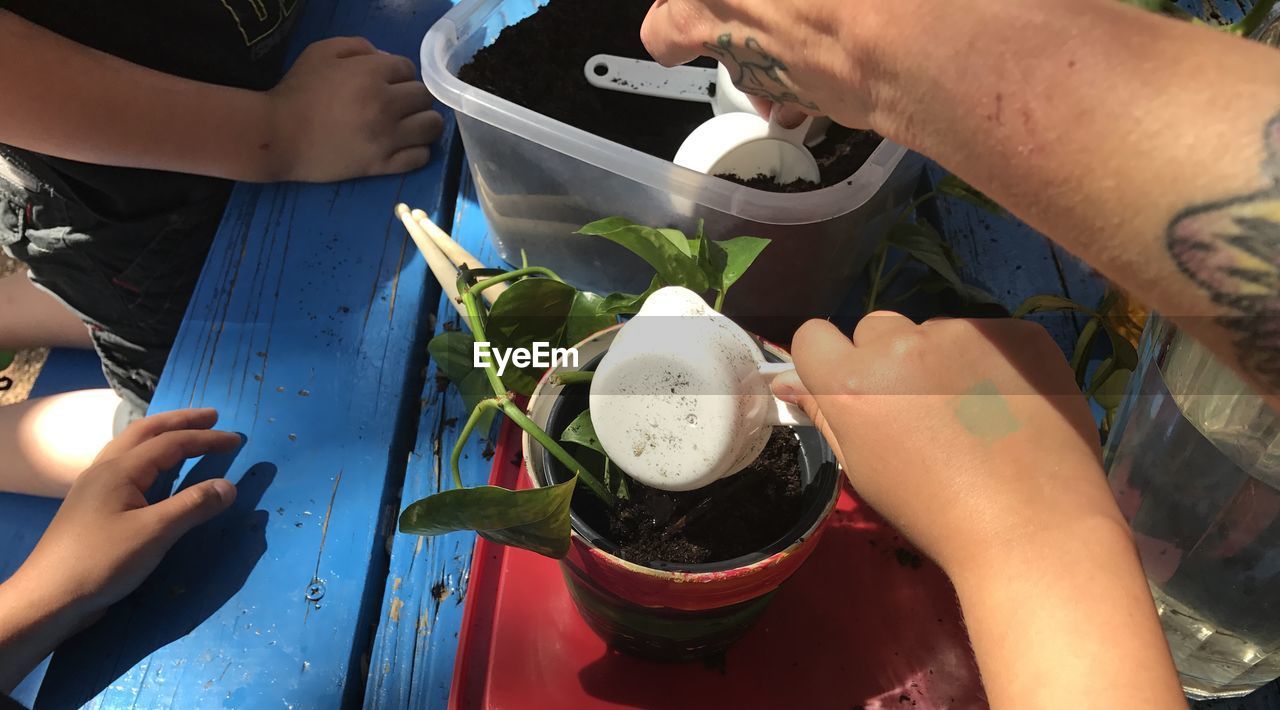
755, 71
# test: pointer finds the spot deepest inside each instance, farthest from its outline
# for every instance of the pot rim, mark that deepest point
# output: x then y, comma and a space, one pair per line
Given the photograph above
546, 390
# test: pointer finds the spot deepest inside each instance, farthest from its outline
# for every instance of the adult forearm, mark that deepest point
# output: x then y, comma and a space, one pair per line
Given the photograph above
1049, 617
64, 99
1135, 141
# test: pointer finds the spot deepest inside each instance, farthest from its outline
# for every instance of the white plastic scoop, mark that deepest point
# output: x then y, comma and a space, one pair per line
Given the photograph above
746, 145
685, 83
737, 140
681, 399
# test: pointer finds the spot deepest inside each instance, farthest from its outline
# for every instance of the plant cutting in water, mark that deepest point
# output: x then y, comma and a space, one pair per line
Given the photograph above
538, 307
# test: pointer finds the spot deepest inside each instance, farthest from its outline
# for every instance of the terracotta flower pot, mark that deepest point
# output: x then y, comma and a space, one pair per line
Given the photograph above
674, 611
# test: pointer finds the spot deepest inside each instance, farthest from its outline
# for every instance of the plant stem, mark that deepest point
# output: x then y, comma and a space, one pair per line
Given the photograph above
471, 303
575, 377
511, 276
719, 305
886, 281
1084, 344
874, 291
875, 278
914, 204
1104, 371
510, 409
502, 400
476, 414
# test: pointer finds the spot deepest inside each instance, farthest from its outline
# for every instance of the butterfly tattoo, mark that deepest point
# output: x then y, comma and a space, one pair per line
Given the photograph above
1231, 249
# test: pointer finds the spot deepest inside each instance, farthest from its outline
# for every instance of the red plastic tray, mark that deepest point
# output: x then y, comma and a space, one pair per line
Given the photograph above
865, 623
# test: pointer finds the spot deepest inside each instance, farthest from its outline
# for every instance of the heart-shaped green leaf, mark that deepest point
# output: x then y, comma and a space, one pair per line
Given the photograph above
680, 241
618, 304
582, 431
452, 353
732, 258
660, 249
586, 317
531, 311
535, 519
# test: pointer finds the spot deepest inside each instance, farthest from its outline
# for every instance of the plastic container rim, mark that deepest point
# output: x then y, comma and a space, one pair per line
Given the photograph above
748, 203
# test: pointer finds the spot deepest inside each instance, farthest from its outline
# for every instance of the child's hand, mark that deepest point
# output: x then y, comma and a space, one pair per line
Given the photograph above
969, 435
105, 539
347, 110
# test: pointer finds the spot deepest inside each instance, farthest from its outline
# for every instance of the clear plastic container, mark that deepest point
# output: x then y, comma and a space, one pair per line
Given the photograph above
539, 180
1194, 462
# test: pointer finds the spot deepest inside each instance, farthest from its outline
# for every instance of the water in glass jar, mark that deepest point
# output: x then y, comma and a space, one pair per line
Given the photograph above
1194, 462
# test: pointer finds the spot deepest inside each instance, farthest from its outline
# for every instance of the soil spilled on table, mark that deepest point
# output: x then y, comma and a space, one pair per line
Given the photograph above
734, 516
537, 63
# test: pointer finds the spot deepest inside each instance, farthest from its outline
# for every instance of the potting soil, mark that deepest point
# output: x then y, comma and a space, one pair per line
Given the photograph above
537, 63
734, 516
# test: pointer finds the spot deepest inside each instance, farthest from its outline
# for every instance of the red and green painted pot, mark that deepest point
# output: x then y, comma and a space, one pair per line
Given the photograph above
675, 611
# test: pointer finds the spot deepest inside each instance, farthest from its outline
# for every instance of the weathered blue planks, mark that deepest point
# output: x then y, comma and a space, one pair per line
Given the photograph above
1013, 262
411, 663
307, 333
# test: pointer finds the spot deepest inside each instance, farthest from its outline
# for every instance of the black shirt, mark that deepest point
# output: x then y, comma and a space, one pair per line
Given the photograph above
237, 43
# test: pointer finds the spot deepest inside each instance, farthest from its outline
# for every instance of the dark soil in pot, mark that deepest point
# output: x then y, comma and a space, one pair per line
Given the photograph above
538, 62
747, 516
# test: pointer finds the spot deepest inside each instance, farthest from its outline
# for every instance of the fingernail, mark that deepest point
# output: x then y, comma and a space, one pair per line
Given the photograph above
784, 390
225, 490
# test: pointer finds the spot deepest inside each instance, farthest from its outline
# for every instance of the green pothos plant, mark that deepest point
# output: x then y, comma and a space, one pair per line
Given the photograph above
539, 307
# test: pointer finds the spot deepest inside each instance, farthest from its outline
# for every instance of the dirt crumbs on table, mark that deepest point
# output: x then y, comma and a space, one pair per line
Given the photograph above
734, 516
538, 64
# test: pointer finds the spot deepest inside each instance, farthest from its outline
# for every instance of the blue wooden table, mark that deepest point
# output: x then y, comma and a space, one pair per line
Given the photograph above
307, 331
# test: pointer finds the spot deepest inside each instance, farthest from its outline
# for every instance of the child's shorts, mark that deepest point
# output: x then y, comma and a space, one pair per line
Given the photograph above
128, 280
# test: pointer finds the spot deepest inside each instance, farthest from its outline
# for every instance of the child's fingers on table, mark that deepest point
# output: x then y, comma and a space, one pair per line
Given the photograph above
152, 426
404, 160
410, 97
419, 129
191, 506
165, 451
393, 68
343, 47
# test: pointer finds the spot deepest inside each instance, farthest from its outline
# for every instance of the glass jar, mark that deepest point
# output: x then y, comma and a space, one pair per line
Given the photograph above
1194, 462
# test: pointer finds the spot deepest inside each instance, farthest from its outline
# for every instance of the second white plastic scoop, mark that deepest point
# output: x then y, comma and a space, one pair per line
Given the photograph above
682, 398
